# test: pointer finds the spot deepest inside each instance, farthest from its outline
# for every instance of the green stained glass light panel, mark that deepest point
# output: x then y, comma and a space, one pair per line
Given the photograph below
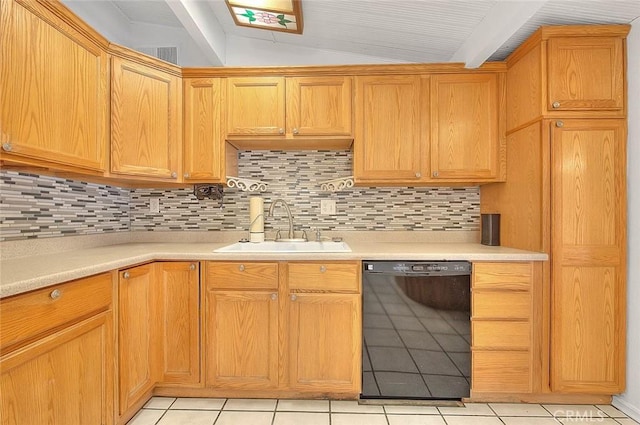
263, 19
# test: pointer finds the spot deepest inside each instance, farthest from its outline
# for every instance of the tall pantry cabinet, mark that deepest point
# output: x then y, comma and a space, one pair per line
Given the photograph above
565, 194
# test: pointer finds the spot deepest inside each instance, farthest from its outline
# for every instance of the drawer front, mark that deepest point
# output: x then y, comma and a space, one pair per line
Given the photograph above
501, 305
326, 277
500, 371
496, 334
502, 276
241, 275
24, 317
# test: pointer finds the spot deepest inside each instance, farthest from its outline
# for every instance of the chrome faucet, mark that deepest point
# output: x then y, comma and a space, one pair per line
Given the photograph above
288, 210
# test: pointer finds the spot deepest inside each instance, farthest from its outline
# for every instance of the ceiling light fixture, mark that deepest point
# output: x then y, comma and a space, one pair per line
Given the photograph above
273, 15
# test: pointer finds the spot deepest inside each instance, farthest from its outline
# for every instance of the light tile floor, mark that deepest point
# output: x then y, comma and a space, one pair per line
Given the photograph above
210, 411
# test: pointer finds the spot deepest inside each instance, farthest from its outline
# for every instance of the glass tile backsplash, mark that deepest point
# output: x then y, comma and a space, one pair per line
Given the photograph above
33, 206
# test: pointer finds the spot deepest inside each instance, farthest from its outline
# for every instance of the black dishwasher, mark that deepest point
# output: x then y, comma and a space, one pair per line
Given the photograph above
416, 330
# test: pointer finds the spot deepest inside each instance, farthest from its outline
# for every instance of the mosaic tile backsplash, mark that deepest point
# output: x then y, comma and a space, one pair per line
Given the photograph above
33, 206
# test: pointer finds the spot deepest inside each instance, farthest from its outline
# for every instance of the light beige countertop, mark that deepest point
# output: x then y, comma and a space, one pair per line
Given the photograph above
30, 272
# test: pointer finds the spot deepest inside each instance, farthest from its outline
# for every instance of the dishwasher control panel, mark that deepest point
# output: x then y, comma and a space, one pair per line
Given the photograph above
418, 268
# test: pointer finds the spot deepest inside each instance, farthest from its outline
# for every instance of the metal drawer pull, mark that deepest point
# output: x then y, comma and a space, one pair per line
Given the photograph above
555, 105
7, 147
274, 296
559, 124
192, 267
241, 268
294, 297
323, 269
55, 294
126, 275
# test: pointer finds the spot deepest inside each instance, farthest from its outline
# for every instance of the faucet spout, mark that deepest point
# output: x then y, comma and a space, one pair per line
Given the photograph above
287, 209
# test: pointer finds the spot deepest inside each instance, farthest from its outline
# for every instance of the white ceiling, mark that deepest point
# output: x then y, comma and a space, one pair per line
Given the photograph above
468, 31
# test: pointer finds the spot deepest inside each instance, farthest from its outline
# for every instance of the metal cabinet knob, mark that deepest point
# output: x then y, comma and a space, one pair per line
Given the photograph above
192, 266
174, 175
296, 131
186, 175
294, 297
55, 294
555, 105
241, 268
274, 297
418, 174
281, 130
7, 147
559, 124
436, 174
126, 275
323, 269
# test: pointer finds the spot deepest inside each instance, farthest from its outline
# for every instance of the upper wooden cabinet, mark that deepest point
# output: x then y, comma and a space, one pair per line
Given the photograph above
204, 145
391, 128
467, 132
292, 110
53, 89
145, 121
585, 74
572, 71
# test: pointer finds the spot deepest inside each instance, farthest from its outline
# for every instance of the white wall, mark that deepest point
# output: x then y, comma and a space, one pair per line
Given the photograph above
629, 402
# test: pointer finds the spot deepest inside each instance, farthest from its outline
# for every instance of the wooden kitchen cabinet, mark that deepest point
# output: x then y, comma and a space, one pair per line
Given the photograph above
467, 127
585, 74
391, 129
571, 160
179, 327
53, 90
57, 358
325, 327
568, 72
204, 145
505, 337
289, 112
241, 325
146, 120
138, 353
588, 240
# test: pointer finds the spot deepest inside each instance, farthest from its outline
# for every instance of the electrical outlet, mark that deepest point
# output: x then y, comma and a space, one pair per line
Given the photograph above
327, 207
154, 205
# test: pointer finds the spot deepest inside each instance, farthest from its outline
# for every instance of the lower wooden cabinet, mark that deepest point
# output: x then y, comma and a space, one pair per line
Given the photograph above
66, 376
292, 327
325, 342
504, 343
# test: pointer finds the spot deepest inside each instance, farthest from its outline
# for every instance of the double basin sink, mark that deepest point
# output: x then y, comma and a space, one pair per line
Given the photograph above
288, 247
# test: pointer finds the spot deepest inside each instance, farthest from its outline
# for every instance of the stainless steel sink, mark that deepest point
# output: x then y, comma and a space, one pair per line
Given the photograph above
286, 247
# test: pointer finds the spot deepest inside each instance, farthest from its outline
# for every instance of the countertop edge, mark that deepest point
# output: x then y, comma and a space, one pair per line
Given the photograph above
138, 253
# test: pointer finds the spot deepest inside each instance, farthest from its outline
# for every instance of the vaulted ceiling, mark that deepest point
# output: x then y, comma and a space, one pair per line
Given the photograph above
469, 31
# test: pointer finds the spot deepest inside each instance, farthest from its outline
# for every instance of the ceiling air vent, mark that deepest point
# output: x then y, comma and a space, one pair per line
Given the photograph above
169, 54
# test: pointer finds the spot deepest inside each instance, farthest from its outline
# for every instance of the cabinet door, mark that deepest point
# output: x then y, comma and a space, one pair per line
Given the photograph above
319, 106
137, 334
179, 331
390, 128
145, 121
203, 139
241, 336
325, 342
464, 127
588, 243
65, 378
53, 90
585, 74
255, 106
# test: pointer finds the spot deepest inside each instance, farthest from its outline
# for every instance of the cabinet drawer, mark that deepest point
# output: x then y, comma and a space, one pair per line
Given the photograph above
515, 276
501, 371
501, 305
242, 275
319, 276
496, 334
26, 316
